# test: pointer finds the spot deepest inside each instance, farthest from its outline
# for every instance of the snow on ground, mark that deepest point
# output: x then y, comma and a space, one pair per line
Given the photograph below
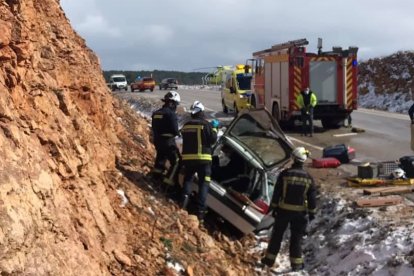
394, 102
344, 240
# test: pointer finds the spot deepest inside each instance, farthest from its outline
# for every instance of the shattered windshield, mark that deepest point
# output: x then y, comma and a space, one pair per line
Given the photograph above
265, 144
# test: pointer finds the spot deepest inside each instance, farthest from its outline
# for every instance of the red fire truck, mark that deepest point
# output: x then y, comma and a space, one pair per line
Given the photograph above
281, 72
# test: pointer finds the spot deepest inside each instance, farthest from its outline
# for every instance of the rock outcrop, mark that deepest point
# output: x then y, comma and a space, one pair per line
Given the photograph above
68, 150
390, 74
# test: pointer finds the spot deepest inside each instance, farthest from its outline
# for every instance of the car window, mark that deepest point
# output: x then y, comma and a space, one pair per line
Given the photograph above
244, 80
262, 142
147, 79
118, 79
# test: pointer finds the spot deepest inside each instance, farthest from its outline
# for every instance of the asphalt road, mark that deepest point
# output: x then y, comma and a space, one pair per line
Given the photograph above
386, 136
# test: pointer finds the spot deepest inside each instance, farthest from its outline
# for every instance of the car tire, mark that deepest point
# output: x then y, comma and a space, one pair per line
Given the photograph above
253, 102
236, 110
152, 89
225, 109
132, 89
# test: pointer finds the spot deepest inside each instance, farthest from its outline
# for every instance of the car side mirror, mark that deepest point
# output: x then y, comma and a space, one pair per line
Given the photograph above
232, 90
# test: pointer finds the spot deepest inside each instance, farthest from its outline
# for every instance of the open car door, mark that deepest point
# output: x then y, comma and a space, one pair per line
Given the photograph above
259, 142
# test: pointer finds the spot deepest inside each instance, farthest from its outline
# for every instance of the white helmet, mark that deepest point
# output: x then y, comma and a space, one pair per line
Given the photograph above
398, 173
300, 154
172, 96
196, 107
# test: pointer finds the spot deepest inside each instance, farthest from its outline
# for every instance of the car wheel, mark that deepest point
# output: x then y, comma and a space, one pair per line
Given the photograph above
253, 102
236, 110
132, 89
152, 89
225, 109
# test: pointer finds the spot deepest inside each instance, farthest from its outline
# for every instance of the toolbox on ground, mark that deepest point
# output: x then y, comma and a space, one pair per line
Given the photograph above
327, 162
341, 152
386, 168
368, 170
407, 164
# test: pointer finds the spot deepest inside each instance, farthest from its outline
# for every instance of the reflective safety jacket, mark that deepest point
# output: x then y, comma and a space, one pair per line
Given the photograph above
295, 191
164, 127
198, 138
305, 101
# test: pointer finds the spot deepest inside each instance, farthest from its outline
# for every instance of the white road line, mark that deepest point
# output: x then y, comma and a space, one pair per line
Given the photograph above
344, 134
305, 143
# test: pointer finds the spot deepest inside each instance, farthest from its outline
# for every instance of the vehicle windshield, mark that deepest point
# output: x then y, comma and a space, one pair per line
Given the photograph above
147, 79
118, 79
265, 144
244, 81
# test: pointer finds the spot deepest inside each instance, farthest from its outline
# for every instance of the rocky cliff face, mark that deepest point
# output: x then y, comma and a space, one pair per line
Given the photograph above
66, 147
388, 74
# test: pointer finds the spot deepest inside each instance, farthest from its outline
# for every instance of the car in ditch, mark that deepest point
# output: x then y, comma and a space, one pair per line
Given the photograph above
258, 143
143, 84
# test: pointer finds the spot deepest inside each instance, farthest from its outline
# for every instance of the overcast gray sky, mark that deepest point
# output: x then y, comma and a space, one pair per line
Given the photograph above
186, 34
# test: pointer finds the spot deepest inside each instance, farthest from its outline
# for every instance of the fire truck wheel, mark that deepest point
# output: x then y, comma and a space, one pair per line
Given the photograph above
331, 123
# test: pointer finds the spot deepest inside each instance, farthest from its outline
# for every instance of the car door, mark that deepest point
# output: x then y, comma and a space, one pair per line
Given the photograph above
258, 139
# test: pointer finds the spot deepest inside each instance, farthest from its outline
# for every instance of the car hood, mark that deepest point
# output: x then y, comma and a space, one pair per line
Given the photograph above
259, 133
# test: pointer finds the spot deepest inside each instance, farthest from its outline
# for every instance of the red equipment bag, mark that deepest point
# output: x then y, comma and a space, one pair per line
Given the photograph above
325, 162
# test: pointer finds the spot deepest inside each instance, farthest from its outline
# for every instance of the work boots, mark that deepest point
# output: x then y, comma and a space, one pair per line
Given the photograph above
201, 215
298, 267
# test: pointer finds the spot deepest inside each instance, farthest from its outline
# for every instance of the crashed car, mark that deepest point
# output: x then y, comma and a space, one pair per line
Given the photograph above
262, 148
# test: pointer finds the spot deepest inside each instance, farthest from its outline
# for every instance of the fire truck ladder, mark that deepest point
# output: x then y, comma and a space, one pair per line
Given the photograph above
289, 44
293, 43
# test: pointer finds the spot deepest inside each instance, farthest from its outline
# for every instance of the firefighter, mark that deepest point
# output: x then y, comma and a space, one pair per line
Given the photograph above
164, 130
307, 101
198, 137
293, 203
411, 113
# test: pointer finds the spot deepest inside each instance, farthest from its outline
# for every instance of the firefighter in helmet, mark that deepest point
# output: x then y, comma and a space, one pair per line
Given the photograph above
293, 203
198, 138
307, 101
164, 130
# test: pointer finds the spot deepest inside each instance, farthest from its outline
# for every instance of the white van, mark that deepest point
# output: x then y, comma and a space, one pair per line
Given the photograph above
118, 82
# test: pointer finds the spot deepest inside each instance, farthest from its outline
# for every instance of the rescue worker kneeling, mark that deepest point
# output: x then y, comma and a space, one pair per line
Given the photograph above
294, 201
164, 129
198, 138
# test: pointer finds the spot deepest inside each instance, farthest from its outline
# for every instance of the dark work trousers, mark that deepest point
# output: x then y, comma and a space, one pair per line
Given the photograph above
203, 173
171, 154
307, 116
298, 222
